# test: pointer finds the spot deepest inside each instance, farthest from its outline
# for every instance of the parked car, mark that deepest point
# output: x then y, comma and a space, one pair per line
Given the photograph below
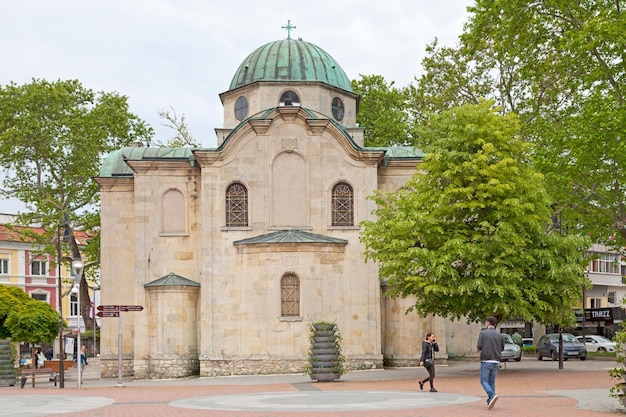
595, 343
511, 349
548, 346
527, 341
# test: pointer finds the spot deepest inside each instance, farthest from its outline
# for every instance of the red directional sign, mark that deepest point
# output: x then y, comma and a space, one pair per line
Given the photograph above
131, 308
108, 308
108, 314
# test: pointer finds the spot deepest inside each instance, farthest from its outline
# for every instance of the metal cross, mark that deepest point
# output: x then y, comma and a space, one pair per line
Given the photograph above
288, 27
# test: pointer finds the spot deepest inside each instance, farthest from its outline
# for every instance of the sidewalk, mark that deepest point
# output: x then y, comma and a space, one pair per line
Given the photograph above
526, 388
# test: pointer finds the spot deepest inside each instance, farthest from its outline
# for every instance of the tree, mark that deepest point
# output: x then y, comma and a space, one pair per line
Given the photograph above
53, 136
182, 138
465, 236
560, 65
23, 319
382, 111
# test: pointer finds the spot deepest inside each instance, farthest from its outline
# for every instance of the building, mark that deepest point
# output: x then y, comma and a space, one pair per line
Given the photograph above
234, 251
23, 265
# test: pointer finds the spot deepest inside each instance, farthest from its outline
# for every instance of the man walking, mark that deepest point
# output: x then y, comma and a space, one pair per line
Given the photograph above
490, 343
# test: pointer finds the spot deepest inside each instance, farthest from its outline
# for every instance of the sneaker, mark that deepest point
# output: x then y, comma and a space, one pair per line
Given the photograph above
433, 390
421, 385
492, 402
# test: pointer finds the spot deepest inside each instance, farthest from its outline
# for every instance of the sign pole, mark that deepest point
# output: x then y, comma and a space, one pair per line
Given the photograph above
119, 354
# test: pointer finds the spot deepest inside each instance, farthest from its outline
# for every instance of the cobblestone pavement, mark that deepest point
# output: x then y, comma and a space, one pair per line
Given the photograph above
527, 388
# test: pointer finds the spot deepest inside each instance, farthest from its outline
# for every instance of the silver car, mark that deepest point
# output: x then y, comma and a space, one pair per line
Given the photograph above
511, 351
595, 343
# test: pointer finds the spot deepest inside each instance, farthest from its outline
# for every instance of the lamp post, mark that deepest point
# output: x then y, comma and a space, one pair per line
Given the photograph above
77, 266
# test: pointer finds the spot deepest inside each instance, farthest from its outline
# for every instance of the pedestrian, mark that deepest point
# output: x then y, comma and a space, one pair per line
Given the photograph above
490, 343
49, 354
427, 360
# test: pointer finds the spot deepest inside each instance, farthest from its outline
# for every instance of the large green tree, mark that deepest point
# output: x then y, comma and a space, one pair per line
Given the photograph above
382, 111
560, 65
23, 319
466, 235
53, 136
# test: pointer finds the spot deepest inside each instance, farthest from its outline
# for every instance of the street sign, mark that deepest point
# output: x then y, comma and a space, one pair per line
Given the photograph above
108, 314
108, 308
131, 308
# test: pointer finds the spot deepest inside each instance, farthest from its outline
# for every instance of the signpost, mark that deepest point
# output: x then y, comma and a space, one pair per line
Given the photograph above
113, 310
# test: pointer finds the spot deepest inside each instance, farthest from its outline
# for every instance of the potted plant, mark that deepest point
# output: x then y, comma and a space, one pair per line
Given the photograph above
325, 362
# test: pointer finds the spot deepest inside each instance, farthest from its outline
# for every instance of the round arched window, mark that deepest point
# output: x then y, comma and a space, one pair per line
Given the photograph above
289, 98
241, 108
337, 107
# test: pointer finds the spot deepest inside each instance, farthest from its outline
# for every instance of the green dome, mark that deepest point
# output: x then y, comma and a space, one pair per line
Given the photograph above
290, 60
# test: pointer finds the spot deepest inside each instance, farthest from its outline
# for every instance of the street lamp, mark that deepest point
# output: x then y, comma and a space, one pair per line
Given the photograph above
77, 267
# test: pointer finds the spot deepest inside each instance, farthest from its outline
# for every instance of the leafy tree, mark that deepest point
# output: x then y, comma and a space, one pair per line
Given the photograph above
466, 236
182, 138
52, 138
560, 65
382, 111
23, 319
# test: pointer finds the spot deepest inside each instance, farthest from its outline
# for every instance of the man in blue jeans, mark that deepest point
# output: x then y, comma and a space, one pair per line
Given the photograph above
491, 344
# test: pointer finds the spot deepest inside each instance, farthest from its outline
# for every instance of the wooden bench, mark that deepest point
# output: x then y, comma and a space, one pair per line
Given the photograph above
38, 372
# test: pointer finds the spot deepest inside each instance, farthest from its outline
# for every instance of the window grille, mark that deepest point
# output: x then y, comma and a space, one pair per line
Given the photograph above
290, 295
342, 205
236, 205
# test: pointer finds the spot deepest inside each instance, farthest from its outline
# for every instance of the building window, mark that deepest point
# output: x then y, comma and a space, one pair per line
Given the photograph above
39, 296
612, 297
289, 98
595, 302
236, 205
241, 108
38, 268
73, 304
4, 266
605, 263
289, 296
337, 108
342, 205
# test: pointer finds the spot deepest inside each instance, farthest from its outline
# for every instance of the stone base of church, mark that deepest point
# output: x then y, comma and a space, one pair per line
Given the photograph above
250, 367
153, 368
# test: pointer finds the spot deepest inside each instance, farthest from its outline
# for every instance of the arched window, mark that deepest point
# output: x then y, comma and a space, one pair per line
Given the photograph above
236, 205
289, 98
289, 295
343, 205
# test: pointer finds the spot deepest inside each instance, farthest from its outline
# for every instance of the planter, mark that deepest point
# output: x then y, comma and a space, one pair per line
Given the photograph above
325, 359
325, 377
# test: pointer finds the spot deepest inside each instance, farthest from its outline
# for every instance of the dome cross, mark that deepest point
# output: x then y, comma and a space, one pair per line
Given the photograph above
288, 28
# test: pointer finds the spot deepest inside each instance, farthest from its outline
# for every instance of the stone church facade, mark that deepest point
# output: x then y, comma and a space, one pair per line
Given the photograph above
234, 251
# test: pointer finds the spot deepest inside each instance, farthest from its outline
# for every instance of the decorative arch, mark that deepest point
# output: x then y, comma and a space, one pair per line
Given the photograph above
174, 212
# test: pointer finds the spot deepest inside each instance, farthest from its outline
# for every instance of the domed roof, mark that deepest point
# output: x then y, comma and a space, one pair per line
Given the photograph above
290, 60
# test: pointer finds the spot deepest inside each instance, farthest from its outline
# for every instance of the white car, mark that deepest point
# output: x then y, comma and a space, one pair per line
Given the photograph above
595, 343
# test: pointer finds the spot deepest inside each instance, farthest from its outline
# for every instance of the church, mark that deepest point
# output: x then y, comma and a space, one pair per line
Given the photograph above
234, 251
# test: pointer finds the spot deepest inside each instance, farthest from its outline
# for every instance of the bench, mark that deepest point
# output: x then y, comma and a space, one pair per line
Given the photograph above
38, 372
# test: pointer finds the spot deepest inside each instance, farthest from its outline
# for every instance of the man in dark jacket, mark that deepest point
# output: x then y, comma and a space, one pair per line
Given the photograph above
491, 344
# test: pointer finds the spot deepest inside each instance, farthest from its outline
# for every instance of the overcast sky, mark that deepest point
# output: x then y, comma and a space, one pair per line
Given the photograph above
183, 53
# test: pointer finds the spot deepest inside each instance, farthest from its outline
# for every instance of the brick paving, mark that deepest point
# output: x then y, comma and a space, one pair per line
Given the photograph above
528, 388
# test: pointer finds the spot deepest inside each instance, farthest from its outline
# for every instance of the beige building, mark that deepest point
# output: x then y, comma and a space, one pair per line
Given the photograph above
234, 251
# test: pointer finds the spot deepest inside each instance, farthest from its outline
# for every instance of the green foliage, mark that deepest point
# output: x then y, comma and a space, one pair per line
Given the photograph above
465, 236
23, 319
382, 111
560, 66
340, 359
53, 136
619, 372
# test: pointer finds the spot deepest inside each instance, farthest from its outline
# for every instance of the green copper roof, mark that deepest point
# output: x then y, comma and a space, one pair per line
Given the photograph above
290, 236
114, 165
290, 60
172, 280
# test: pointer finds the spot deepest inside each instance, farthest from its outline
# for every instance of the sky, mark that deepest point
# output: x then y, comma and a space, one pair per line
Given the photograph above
181, 54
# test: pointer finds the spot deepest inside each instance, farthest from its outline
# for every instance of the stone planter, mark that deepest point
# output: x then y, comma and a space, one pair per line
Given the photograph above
325, 360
